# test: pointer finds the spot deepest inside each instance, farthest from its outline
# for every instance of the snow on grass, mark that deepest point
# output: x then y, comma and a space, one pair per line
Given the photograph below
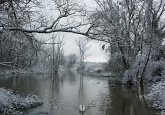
11, 103
157, 96
96, 69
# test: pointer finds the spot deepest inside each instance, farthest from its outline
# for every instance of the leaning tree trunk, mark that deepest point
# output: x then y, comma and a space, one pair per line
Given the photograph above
123, 57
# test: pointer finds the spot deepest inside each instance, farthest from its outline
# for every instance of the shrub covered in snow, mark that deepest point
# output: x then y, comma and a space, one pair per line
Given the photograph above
130, 76
11, 103
153, 72
157, 96
96, 69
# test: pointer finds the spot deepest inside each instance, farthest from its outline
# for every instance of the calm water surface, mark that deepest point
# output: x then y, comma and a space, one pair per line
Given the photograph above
63, 95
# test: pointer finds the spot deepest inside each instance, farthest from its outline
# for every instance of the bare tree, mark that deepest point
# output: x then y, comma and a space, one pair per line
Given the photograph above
57, 54
83, 49
71, 60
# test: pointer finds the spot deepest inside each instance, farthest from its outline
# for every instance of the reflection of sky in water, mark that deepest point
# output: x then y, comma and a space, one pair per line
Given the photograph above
63, 96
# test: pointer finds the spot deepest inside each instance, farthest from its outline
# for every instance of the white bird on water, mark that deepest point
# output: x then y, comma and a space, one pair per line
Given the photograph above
82, 108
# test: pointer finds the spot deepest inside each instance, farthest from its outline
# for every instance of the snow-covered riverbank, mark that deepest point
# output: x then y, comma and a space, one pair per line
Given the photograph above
157, 96
11, 103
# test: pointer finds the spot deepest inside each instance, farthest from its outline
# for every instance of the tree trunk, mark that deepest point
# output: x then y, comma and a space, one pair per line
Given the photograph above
145, 66
123, 57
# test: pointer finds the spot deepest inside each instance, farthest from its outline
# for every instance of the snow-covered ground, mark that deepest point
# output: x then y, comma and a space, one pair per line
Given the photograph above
157, 96
15, 71
10, 104
96, 69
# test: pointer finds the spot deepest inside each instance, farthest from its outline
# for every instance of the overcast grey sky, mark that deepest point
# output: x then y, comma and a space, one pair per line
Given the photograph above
95, 51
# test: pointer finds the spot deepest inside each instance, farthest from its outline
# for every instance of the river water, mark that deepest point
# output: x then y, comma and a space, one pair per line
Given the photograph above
62, 95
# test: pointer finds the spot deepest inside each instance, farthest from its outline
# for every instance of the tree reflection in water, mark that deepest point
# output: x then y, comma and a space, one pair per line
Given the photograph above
126, 101
54, 90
